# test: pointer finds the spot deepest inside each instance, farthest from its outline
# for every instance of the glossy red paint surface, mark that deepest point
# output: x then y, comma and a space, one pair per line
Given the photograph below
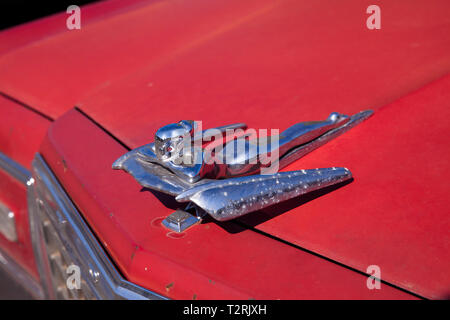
208, 261
274, 65
395, 214
31, 33
175, 59
280, 63
21, 131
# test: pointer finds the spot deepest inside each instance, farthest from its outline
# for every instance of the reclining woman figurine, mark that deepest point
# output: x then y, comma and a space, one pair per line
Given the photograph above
179, 148
225, 181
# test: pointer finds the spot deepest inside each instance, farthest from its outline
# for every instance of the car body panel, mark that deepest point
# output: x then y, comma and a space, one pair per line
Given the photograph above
210, 261
21, 132
40, 30
269, 64
232, 58
395, 213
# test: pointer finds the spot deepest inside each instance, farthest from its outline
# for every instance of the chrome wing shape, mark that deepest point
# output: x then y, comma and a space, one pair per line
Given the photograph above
151, 175
232, 198
226, 199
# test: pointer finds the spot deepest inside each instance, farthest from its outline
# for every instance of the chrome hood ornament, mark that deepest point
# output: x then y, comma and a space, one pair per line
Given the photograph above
240, 173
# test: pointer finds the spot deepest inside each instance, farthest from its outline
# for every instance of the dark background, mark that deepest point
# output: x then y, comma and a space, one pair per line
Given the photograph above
14, 12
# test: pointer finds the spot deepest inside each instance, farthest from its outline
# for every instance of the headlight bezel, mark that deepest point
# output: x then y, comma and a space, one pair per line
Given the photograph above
52, 214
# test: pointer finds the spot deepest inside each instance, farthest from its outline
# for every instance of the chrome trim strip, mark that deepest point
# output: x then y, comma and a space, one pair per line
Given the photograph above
16, 272
8, 223
14, 169
46, 196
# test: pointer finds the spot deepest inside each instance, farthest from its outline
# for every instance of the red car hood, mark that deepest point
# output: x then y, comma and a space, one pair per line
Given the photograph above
271, 64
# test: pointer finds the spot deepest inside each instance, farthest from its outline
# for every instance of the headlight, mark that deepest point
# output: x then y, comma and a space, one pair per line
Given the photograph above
65, 248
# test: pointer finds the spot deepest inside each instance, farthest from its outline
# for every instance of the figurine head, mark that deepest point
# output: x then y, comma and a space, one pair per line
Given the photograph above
170, 139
